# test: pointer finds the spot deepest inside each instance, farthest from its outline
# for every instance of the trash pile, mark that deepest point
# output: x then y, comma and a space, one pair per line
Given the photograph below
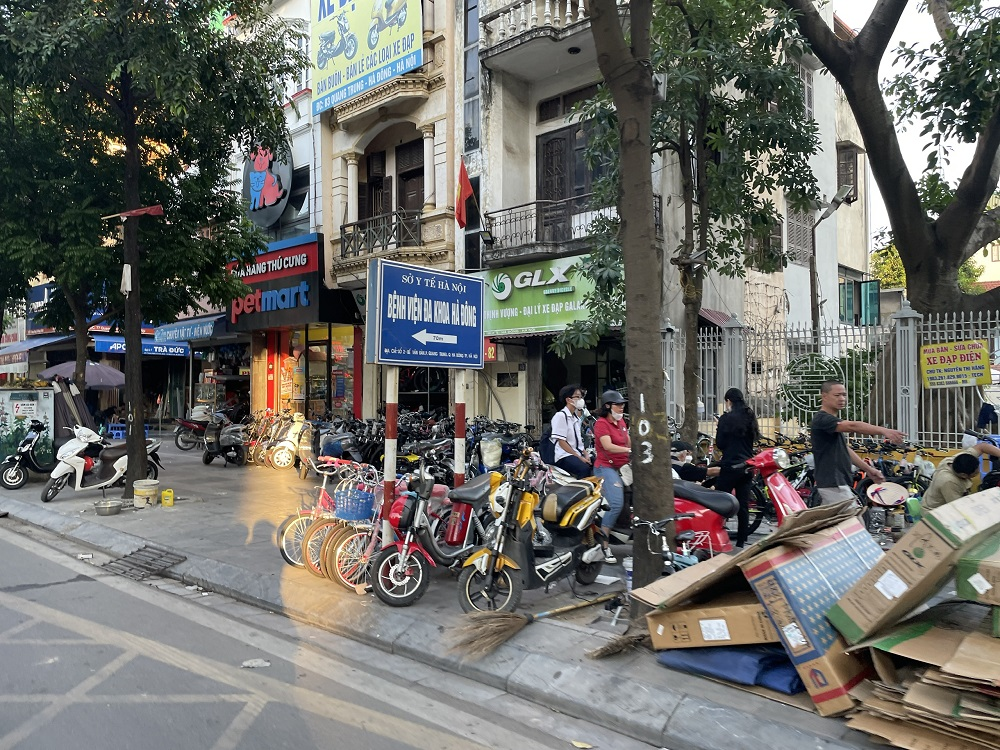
813, 615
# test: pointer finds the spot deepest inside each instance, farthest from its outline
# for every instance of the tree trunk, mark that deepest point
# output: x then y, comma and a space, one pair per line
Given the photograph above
135, 433
629, 77
691, 283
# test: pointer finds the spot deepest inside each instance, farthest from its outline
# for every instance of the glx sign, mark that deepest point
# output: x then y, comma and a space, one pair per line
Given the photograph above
502, 286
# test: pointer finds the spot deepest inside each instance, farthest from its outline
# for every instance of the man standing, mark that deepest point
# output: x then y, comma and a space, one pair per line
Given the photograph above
833, 457
570, 455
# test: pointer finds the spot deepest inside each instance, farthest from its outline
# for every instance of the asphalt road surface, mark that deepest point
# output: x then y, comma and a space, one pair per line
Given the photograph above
91, 660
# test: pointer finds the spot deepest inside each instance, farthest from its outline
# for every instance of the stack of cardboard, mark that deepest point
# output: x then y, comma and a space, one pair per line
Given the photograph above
977, 578
792, 576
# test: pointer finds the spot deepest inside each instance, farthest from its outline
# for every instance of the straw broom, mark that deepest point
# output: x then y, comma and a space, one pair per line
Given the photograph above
482, 633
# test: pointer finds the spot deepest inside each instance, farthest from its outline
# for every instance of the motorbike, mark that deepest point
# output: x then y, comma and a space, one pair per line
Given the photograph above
15, 467
284, 449
704, 512
400, 572
190, 431
385, 18
95, 463
224, 440
495, 575
332, 43
784, 498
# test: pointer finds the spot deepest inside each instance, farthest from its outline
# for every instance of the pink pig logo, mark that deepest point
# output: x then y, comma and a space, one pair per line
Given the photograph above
265, 186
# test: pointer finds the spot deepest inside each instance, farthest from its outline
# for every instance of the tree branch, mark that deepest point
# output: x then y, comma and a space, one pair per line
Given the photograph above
832, 51
874, 38
958, 221
941, 13
985, 232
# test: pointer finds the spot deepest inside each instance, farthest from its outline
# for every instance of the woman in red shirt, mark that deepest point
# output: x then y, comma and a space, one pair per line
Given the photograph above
614, 448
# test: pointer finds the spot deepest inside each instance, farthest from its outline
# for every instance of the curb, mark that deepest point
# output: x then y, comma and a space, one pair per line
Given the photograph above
654, 713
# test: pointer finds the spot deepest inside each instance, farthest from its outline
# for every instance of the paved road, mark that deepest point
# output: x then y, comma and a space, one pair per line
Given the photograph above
93, 660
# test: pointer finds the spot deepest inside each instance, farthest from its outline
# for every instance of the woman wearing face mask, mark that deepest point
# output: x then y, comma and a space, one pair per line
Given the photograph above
735, 436
614, 448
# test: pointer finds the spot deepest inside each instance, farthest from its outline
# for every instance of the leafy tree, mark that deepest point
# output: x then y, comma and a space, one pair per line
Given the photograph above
168, 92
733, 120
887, 267
949, 91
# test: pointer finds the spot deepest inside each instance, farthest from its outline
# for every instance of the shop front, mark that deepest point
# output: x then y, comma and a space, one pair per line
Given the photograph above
306, 341
525, 307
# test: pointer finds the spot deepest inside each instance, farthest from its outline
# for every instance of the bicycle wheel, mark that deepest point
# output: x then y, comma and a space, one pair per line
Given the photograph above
329, 544
352, 555
290, 534
312, 543
758, 506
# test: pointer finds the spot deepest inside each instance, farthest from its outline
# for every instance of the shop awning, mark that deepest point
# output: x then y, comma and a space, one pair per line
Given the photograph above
14, 358
715, 317
116, 345
190, 329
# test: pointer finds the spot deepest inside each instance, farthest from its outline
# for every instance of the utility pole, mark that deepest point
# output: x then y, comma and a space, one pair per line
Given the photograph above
831, 208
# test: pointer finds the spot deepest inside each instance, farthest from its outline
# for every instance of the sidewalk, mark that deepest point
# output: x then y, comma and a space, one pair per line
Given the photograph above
224, 522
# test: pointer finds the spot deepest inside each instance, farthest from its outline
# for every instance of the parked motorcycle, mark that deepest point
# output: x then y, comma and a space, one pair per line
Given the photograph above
704, 512
284, 448
332, 43
15, 467
190, 431
496, 574
224, 440
384, 18
400, 573
95, 463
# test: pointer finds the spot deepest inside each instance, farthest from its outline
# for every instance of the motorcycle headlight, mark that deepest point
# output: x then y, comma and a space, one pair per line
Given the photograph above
781, 458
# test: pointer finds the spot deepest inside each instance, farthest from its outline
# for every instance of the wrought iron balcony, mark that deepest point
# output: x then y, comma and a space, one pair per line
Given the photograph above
384, 232
549, 228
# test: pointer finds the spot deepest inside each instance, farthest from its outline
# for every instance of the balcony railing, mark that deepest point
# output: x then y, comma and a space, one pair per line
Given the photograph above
384, 232
565, 224
517, 17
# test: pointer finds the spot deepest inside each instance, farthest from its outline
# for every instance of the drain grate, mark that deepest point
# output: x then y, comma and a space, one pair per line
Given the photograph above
146, 561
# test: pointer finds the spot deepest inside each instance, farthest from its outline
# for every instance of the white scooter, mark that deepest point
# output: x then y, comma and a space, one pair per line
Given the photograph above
97, 463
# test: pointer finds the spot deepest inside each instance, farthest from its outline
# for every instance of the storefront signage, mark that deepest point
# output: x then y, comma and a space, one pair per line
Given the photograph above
38, 298
358, 46
955, 363
187, 330
284, 286
540, 297
266, 182
423, 317
116, 345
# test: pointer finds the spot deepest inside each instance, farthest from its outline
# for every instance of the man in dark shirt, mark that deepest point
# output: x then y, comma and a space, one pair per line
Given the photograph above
834, 459
682, 455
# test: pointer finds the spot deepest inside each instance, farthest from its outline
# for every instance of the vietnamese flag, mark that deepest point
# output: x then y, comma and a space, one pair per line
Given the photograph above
463, 194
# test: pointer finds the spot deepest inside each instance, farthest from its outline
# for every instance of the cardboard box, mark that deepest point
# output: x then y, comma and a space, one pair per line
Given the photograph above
797, 585
916, 566
730, 620
977, 574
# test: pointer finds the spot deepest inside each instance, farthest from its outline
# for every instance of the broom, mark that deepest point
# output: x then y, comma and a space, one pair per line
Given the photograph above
482, 633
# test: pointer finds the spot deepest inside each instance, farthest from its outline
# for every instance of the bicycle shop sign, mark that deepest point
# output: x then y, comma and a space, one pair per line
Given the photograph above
284, 286
950, 364
424, 317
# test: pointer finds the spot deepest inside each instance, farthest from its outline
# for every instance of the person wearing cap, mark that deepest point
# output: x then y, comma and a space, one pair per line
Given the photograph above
570, 455
614, 449
682, 455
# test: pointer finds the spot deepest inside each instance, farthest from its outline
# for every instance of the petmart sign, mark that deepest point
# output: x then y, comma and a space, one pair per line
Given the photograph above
540, 297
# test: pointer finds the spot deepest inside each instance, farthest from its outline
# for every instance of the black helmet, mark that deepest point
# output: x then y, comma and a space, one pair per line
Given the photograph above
612, 397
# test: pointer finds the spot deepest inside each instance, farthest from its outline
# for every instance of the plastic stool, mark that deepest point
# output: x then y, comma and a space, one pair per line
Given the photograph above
117, 431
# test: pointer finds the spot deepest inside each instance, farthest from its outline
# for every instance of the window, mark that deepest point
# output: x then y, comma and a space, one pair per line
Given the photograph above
473, 239
806, 76
562, 165
756, 367
847, 169
301, 81
799, 237
471, 85
995, 252
859, 299
763, 253
562, 105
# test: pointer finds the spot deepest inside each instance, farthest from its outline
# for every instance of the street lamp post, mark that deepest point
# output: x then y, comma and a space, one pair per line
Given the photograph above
834, 204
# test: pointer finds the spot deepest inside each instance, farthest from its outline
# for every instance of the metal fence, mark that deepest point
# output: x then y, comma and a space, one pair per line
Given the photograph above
780, 368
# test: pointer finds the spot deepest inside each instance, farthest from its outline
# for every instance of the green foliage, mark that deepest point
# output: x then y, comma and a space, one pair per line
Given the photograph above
91, 78
730, 111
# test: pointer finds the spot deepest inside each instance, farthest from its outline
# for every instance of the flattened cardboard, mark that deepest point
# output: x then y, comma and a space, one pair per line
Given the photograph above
916, 566
797, 585
977, 575
729, 620
910, 736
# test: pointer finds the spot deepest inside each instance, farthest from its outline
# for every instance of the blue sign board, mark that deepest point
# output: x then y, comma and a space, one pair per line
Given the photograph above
417, 316
116, 344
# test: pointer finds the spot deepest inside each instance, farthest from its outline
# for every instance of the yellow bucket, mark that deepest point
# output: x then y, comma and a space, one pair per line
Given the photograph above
167, 498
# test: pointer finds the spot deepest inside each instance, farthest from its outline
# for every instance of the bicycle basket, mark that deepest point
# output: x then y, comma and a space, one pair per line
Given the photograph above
353, 504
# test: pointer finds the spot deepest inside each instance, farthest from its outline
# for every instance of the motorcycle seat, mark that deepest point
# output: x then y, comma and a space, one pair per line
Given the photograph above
564, 497
722, 503
473, 492
114, 452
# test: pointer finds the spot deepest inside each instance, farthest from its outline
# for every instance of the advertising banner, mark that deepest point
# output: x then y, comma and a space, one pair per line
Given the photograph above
955, 363
358, 45
284, 286
539, 297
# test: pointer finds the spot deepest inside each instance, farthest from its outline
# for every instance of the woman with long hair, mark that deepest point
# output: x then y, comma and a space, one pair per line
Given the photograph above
735, 436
